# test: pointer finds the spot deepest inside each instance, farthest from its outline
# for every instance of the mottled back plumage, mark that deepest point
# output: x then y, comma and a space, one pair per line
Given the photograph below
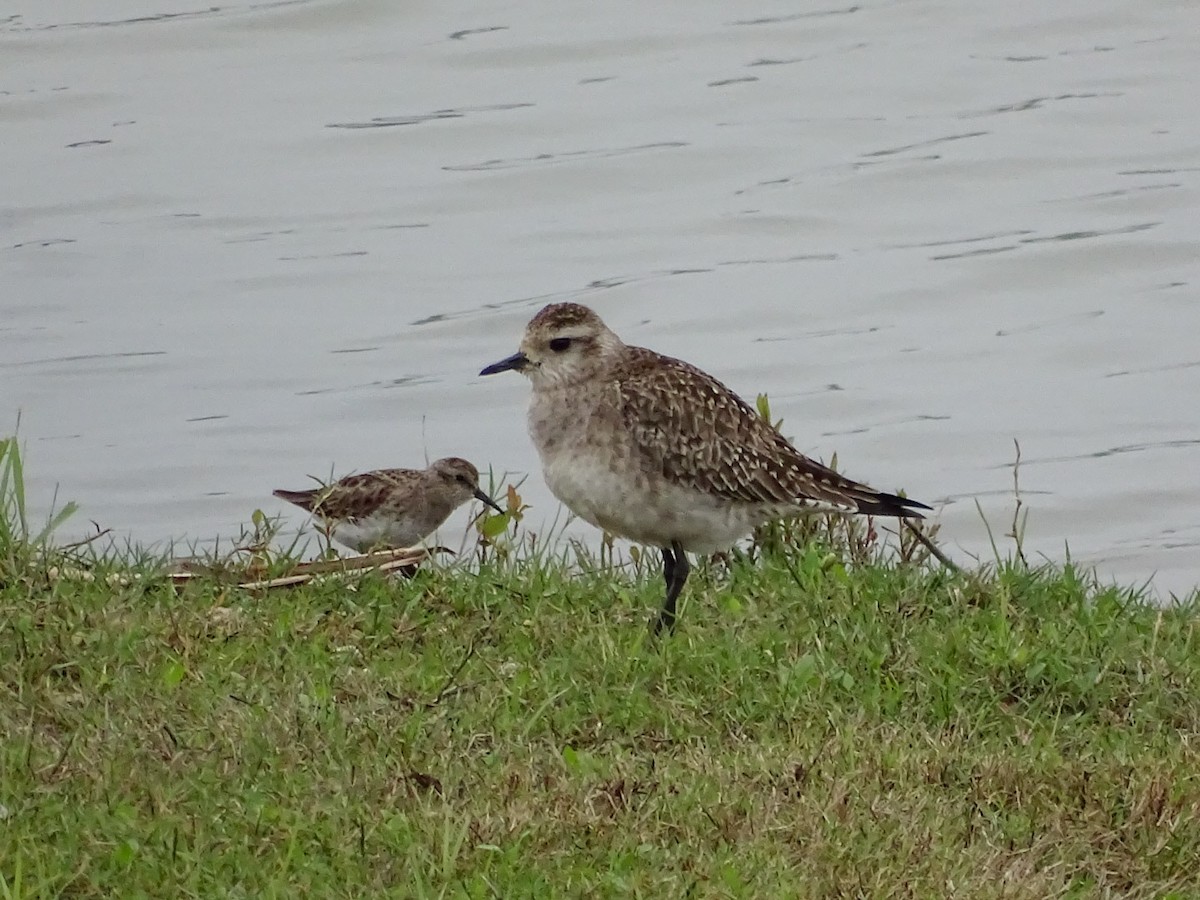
708, 438
354, 496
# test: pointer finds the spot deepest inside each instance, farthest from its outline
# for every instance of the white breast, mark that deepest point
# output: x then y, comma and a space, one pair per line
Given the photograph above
610, 490
370, 532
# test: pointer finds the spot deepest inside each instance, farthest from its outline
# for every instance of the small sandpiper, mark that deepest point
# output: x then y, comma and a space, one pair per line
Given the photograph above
652, 449
391, 508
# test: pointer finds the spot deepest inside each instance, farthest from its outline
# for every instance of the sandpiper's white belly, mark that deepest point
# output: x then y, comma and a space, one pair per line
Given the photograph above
370, 532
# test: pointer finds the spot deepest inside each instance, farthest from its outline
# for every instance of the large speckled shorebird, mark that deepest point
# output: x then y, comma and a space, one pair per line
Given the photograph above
652, 449
391, 508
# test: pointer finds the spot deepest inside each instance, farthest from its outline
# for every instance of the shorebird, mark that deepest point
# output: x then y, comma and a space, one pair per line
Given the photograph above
391, 507
653, 449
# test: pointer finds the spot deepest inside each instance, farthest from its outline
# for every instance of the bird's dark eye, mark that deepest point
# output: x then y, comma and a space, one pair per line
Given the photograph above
558, 345
462, 479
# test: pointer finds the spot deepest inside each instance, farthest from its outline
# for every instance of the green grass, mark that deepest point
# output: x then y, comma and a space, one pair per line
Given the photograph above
816, 728
18, 541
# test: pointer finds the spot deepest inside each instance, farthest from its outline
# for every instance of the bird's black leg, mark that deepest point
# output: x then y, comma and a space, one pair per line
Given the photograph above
675, 573
666, 618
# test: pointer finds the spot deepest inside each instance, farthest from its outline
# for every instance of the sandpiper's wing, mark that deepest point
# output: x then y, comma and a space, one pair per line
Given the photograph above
354, 496
706, 437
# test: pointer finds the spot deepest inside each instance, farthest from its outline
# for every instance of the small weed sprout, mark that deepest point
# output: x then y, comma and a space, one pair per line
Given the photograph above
491, 528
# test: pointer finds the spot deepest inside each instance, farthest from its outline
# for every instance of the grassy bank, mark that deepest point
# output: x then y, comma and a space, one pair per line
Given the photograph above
817, 727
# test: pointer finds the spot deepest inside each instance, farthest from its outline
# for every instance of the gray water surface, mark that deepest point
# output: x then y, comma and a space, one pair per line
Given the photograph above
248, 242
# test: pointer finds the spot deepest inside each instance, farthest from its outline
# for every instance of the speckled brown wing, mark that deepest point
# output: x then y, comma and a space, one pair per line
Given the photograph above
705, 437
354, 496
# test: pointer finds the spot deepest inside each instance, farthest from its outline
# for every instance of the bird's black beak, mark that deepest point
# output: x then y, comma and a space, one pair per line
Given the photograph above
484, 498
517, 362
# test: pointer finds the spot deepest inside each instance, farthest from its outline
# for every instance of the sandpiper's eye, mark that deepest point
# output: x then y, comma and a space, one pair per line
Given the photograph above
558, 345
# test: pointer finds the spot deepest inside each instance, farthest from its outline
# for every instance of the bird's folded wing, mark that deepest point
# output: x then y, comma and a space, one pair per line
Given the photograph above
705, 437
359, 495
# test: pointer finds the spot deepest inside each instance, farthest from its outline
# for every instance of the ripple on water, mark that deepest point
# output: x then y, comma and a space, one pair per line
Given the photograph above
566, 156
438, 115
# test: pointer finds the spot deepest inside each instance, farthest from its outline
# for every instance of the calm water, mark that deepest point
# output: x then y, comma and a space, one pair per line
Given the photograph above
244, 243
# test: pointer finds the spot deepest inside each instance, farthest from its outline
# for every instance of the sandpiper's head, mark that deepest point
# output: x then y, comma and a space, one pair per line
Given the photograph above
461, 479
563, 343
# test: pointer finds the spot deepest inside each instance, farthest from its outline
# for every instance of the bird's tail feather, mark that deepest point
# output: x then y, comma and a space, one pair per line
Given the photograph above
878, 503
303, 499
